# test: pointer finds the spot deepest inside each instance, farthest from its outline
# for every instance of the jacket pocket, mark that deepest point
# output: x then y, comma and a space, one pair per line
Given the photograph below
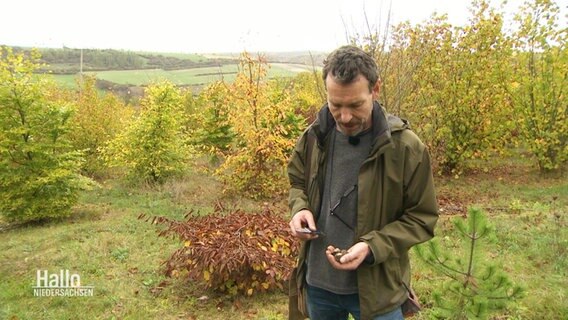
392, 274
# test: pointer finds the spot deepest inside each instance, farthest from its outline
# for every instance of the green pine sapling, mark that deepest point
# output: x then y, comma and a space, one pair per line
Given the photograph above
475, 286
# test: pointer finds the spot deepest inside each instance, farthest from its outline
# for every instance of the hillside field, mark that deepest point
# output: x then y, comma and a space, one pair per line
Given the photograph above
185, 77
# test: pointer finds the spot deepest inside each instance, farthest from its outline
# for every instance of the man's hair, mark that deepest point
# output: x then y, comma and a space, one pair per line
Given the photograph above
347, 62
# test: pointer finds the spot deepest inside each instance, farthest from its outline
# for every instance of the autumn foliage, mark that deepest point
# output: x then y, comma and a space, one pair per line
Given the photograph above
208, 120
445, 80
234, 252
474, 91
265, 128
540, 88
39, 170
97, 120
152, 148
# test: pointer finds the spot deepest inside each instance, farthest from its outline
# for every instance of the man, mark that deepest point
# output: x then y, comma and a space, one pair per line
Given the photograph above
369, 190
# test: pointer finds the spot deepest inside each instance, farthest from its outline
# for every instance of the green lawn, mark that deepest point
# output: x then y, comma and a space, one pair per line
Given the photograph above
120, 256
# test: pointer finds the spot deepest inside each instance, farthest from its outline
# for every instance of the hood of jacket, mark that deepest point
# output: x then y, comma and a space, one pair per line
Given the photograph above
383, 124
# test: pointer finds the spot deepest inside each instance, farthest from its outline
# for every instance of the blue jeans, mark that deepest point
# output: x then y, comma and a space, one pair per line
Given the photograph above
325, 305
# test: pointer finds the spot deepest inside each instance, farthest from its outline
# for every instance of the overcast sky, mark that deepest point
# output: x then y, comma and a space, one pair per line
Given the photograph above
209, 26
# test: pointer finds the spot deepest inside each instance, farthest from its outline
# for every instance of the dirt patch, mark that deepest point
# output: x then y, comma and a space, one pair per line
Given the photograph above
450, 206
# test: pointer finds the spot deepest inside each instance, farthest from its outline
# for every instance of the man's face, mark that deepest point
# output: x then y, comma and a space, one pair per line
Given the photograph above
351, 105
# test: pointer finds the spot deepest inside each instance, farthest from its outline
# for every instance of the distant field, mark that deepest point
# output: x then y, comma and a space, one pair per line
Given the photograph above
66, 80
179, 55
193, 76
180, 77
289, 69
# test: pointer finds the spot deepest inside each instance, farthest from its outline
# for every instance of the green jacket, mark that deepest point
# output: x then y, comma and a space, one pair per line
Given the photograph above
396, 204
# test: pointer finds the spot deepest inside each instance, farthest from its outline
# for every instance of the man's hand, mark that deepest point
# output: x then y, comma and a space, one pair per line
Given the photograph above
303, 219
351, 260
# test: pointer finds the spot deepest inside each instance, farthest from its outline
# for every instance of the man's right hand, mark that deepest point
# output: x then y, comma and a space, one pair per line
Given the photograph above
303, 219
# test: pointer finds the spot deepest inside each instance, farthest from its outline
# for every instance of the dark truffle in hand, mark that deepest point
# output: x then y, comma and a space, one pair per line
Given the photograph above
338, 253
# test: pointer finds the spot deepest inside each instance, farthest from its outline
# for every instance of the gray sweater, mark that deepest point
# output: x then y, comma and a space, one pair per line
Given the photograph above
339, 194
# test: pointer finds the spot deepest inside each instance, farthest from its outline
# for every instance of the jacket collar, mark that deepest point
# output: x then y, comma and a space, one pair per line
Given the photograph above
381, 124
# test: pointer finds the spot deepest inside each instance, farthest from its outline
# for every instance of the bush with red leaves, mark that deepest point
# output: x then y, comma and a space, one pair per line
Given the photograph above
238, 252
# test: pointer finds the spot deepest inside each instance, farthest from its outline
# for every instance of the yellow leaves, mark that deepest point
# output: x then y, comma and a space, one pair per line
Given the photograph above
187, 243
153, 147
265, 127
34, 118
456, 99
286, 251
98, 119
280, 245
207, 273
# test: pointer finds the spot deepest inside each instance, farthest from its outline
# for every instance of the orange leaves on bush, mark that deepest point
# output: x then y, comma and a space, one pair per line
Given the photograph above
237, 252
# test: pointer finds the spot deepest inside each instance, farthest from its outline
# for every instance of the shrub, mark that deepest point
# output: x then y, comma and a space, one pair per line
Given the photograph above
308, 95
236, 253
265, 128
539, 87
208, 122
459, 106
98, 119
39, 171
153, 147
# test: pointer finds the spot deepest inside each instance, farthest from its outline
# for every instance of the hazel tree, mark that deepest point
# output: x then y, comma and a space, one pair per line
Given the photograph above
39, 171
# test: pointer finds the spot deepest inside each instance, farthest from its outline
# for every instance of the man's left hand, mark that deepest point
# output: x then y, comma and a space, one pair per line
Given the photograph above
351, 260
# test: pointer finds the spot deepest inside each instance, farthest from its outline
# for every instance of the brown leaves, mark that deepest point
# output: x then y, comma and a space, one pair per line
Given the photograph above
238, 252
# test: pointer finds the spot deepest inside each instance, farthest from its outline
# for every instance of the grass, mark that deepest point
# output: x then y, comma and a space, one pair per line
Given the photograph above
195, 76
179, 77
110, 248
530, 243
66, 80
